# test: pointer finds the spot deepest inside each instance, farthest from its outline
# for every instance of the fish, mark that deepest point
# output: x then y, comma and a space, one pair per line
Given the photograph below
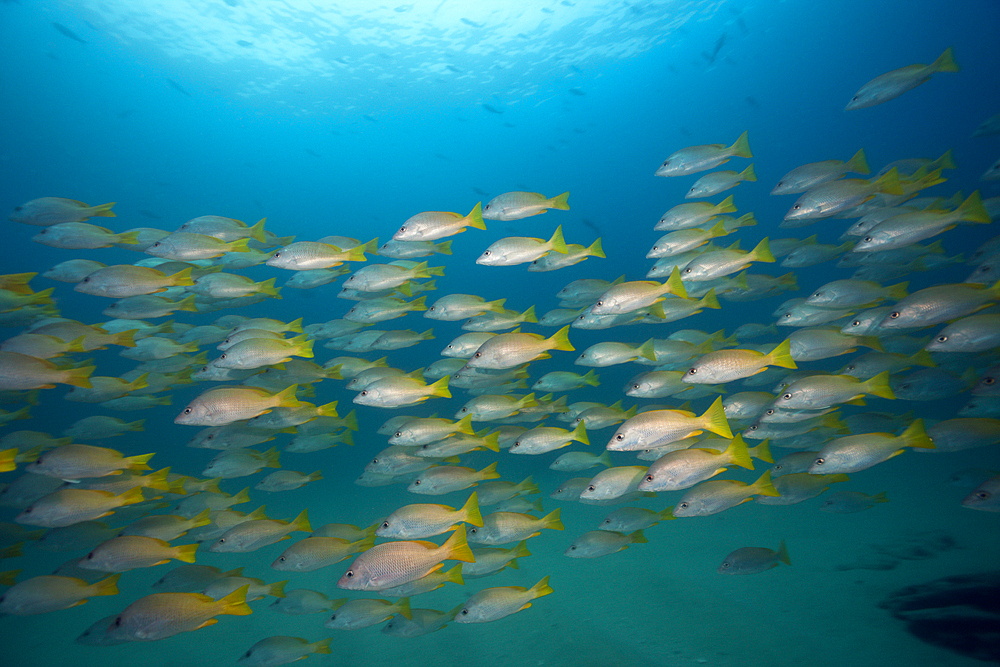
445, 479
505, 527
848, 502
281, 650
426, 520
807, 176
518, 205
816, 392
356, 614
163, 615
312, 255
754, 560
860, 452
129, 552
47, 211
986, 496
225, 405
695, 214
715, 496
492, 604
833, 197
394, 563
319, 551
39, 595
702, 158
911, 227
684, 468
252, 535
514, 250
892, 84
720, 181
509, 350
724, 366
433, 225
74, 462
67, 506
597, 543
630, 296
660, 427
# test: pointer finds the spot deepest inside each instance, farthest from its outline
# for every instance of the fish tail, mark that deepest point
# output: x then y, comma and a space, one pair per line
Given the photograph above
322, 646
239, 245
242, 497
529, 315
761, 451
945, 62
972, 210
491, 442
286, 397
710, 300
560, 202
157, 481
103, 210
464, 426
714, 420
638, 538
946, 161
859, 163
647, 350
718, 229
879, 386
301, 522
520, 550
764, 487
79, 377
131, 497
402, 607
107, 586
726, 206
560, 340
580, 433
420, 303
741, 148
782, 355
738, 453
235, 604
527, 486
256, 232
762, 253
879, 498
475, 217
604, 459
126, 338
187, 303
783, 554
277, 589
748, 174
541, 588
185, 552
557, 242
356, 254
440, 388
528, 401
470, 511
271, 458
456, 547
590, 378
489, 472
267, 287
666, 514
139, 462
916, 436
315, 476
675, 285
552, 521
888, 183
922, 358
496, 306
202, 518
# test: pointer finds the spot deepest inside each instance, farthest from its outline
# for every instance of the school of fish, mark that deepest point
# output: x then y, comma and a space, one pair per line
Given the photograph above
248, 380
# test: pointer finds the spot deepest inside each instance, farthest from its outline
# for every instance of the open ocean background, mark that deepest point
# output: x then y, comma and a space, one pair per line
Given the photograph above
349, 117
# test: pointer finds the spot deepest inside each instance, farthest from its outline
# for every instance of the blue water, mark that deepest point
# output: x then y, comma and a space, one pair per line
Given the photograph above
348, 119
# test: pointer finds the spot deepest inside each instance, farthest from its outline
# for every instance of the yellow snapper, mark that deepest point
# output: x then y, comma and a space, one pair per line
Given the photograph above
517, 205
282, 650
719, 181
660, 427
79, 461
252, 535
432, 225
425, 430
427, 520
684, 468
751, 560
225, 405
187, 246
548, 438
597, 543
715, 496
695, 214
629, 519
166, 526
727, 365
312, 255
630, 296
129, 552
445, 479
490, 560
828, 199
163, 615
460, 306
257, 352
816, 392
39, 595
504, 527
394, 563
513, 250
375, 277
319, 551
860, 452
47, 211
65, 507
122, 280
394, 392
513, 349
684, 240
226, 229
719, 263
230, 286
693, 159
893, 84
20, 371
797, 487
911, 227
810, 175
575, 253
356, 614
493, 604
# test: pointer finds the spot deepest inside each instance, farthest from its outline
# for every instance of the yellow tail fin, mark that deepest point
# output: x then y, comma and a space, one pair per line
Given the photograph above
945, 62
859, 163
726, 206
714, 420
470, 511
235, 604
185, 552
560, 202
748, 174
457, 547
551, 520
879, 386
742, 147
738, 454
541, 588
557, 242
782, 355
560, 340
475, 217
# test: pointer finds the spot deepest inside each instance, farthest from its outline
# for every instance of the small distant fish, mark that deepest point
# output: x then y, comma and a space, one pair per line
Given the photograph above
176, 86
986, 497
244, 43
577, 91
282, 650
848, 502
471, 23
751, 560
693, 159
493, 604
67, 32
989, 126
517, 205
490, 108
312, 152
892, 84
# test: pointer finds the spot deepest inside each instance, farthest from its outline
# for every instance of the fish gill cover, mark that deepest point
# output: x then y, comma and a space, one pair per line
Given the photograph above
577, 329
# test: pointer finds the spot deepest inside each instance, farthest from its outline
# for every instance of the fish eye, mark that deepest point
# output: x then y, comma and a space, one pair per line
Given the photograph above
868, 239
989, 380
281, 558
86, 280
473, 530
247, 654
786, 396
465, 612
399, 434
591, 488
942, 339
856, 323
572, 547
90, 556
403, 228
364, 393
819, 462
687, 270
385, 524
770, 412
796, 207
416, 482
778, 466
223, 356
486, 254
222, 540
725, 565
683, 506
118, 622
374, 460
894, 314
855, 98
478, 354
754, 427
649, 478
187, 411
350, 575
692, 371
619, 437
982, 495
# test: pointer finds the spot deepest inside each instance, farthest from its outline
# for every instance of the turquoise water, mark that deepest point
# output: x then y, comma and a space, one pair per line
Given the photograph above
349, 118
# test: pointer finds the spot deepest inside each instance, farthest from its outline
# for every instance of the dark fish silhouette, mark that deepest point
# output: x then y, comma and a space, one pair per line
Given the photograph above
719, 43
593, 225
370, 118
452, 68
577, 91
244, 43
313, 153
176, 86
490, 109
66, 31
149, 214
479, 191
472, 23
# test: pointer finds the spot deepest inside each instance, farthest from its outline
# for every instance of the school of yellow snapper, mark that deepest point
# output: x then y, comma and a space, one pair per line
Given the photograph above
255, 375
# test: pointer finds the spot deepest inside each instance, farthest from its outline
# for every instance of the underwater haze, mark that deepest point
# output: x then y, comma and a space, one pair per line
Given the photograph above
348, 118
